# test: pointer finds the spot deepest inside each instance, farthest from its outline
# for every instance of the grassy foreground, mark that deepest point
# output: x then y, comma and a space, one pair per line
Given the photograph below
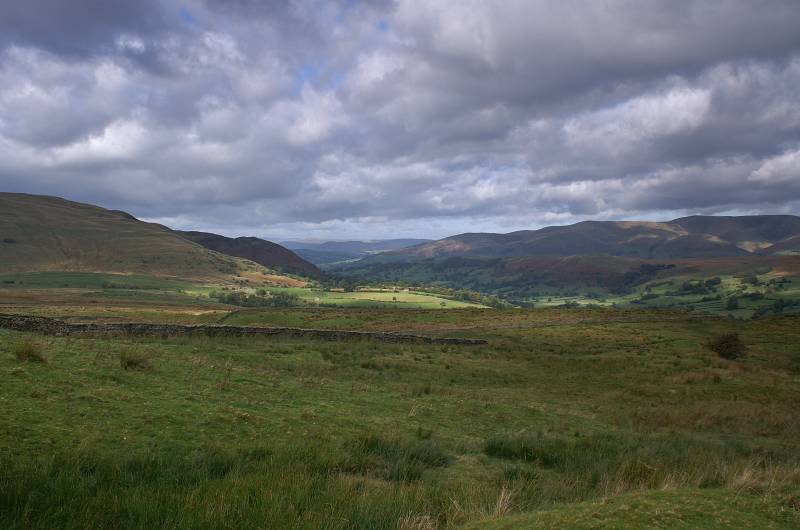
567, 418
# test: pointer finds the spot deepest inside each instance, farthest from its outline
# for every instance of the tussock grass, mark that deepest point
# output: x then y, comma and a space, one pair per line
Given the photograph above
305, 435
606, 465
394, 459
28, 350
136, 360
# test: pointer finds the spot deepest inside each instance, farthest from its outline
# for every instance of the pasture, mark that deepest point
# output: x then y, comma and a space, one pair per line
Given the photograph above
567, 416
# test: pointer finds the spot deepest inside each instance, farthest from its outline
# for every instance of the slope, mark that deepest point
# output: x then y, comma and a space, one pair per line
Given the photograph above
689, 237
41, 233
258, 250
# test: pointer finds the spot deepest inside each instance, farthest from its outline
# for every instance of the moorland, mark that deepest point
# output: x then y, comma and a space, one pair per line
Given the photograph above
579, 412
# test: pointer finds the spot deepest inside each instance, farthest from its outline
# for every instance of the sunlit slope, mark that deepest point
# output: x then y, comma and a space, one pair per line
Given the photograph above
40, 233
688, 237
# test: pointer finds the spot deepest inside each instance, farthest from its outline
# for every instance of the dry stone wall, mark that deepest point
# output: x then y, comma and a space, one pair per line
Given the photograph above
52, 326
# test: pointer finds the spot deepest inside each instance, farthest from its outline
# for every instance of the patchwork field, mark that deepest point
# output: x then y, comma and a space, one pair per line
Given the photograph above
38, 291
567, 417
761, 285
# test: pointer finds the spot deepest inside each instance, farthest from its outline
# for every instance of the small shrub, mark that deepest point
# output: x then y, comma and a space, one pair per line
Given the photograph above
27, 350
134, 360
727, 345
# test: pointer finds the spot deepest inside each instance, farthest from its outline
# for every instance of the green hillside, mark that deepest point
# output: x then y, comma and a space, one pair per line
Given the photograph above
39, 233
761, 284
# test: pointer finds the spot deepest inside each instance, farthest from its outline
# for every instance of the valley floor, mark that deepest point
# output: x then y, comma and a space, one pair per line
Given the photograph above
566, 418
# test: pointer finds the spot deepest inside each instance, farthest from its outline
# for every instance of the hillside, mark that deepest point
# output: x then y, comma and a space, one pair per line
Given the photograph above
688, 237
761, 284
264, 252
41, 233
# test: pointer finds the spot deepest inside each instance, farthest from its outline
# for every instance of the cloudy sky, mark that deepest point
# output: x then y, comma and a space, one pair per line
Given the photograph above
407, 118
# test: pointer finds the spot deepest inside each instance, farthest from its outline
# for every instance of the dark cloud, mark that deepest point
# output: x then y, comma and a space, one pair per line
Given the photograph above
350, 118
83, 27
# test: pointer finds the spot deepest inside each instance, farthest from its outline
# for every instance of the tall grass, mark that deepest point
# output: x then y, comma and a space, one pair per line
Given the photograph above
287, 488
544, 469
368, 482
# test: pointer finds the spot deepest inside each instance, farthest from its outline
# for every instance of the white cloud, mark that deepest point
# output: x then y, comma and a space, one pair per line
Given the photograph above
779, 170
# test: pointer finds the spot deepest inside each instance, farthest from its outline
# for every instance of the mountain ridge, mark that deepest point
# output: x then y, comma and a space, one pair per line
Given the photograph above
255, 249
685, 237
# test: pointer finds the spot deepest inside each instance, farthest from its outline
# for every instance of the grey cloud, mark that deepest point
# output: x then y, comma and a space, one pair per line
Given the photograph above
83, 27
344, 118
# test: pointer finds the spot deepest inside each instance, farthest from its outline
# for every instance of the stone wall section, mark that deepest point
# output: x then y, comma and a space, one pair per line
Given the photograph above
52, 326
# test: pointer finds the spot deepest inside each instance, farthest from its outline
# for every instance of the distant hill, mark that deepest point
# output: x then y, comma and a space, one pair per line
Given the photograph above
381, 245
688, 237
322, 258
337, 251
41, 233
258, 250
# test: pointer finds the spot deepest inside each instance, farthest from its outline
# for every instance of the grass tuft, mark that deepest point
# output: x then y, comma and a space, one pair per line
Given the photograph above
394, 459
135, 360
27, 350
525, 448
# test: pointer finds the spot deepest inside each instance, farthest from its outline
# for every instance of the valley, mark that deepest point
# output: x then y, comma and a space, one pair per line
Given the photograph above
579, 388
399, 265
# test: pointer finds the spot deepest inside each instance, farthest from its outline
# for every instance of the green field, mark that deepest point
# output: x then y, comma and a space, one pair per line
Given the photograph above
376, 298
604, 281
567, 418
750, 299
39, 290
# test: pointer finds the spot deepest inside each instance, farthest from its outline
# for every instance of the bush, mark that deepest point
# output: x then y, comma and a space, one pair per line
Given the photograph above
27, 350
133, 360
733, 304
268, 299
727, 345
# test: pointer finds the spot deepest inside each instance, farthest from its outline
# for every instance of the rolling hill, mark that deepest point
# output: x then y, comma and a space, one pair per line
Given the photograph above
41, 233
593, 260
688, 237
258, 250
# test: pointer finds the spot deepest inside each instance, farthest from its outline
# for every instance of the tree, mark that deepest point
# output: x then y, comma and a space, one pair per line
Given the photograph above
733, 304
727, 345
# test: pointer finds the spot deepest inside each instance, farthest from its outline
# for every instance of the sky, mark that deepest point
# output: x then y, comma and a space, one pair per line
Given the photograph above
310, 119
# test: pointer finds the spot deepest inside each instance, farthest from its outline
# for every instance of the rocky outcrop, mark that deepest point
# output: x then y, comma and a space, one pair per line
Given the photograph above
52, 326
